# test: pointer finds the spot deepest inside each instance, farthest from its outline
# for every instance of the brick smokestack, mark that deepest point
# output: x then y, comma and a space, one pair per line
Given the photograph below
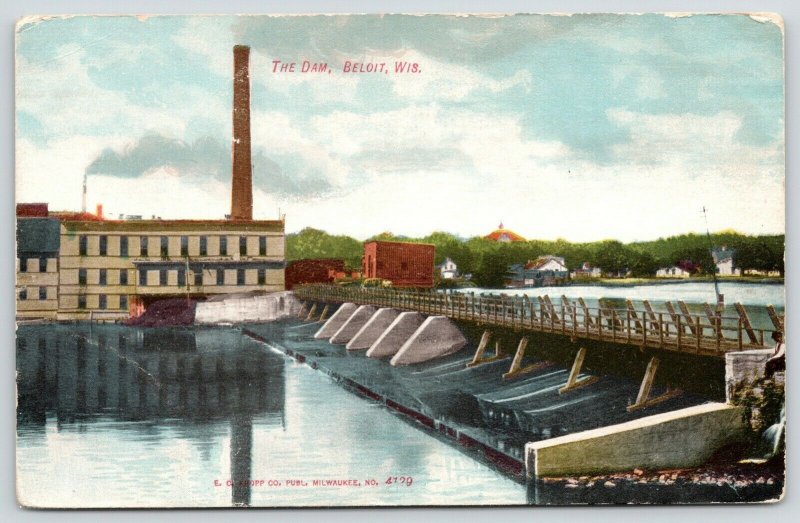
242, 183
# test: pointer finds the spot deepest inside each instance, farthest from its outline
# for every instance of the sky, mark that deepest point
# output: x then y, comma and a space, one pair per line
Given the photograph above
582, 127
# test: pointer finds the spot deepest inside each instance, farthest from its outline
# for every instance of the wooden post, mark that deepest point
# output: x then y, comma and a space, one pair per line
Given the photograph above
303, 307
633, 314
311, 312
481, 349
675, 318
777, 321
572, 381
744, 322
643, 399
586, 315
516, 364
324, 315
655, 323
687, 315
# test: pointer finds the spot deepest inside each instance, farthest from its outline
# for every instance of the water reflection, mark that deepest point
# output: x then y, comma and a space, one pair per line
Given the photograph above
86, 375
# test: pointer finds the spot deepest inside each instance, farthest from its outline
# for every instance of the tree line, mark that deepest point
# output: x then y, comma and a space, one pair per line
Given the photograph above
488, 261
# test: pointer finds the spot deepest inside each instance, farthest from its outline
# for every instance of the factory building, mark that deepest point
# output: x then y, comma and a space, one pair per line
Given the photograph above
111, 269
403, 264
37, 262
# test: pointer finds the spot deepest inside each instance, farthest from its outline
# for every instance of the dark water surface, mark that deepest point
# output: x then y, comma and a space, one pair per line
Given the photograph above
106, 419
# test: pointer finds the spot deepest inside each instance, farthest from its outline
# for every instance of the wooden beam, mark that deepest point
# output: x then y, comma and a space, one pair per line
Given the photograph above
552, 309
478, 359
654, 323
303, 309
572, 381
635, 316
748, 328
643, 399
586, 314
687, 316
516, 364
543, 309
311, 312
673, 315
324, 315
777, 321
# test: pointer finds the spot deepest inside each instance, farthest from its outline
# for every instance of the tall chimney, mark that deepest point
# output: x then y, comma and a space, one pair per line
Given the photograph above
242, 183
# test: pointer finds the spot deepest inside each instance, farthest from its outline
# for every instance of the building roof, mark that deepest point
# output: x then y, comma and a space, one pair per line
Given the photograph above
32, 210
38, 236
387, 242
542, 261
722, 254
504, 235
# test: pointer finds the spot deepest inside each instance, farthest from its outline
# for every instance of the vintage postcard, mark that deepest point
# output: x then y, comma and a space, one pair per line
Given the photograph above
380, 260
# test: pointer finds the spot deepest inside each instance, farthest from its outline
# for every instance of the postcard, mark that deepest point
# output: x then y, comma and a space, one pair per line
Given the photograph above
399, 260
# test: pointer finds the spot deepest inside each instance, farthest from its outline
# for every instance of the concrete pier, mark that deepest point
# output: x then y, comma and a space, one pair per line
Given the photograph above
437, 336
744, 367
353, 324
336, 321
372, 330
396, 335
678, 439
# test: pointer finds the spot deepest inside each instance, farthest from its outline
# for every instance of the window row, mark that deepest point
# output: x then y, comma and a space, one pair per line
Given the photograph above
160, 245
102, 276
102, 302
23, 294
28, 264
217, 275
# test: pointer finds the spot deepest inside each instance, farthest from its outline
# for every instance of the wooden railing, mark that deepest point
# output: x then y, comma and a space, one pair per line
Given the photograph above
681, 330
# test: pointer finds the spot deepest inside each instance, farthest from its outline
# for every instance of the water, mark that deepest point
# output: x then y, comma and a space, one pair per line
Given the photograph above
754, 294
106, 420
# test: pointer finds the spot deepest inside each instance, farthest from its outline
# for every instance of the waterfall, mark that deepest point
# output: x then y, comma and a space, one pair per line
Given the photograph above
773, 435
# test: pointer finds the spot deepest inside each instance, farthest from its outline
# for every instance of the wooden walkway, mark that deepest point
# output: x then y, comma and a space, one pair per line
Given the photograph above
678, 330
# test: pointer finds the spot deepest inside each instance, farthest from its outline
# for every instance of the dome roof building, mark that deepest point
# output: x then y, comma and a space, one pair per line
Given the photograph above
504, 235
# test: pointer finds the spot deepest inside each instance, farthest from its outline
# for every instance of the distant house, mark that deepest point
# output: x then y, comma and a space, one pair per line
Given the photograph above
587, 271
543, 271
448, 269
672, 272
723, 259
503, 235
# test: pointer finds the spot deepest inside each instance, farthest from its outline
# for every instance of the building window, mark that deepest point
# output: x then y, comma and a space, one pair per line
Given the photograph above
198, 278
123, 304
262, 276
81, 276
103, 277
23, 294
204, 246
220, 276
142, 277
81, 301
239, 276
164, 246
143, 241
103, 245
162, 277
123, 246
123, 276
23, 265
42, 264
181, 277
42, 293
184, 246
103, 302
242, 245
223, 245
262, 245
83, 242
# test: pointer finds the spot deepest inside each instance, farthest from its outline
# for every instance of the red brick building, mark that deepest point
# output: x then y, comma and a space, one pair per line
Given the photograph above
404, 264
323, 270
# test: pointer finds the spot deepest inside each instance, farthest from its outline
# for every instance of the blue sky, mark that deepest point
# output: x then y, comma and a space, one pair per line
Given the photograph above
582, 127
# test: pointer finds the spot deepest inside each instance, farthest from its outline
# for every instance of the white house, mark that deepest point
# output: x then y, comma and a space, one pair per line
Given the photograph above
448, 269
587, 271
672, 272
723, 258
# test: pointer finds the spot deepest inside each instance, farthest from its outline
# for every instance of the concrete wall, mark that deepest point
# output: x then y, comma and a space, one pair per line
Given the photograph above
436, 337
742, 367
678, 439
400, 330
373, 329
241, 309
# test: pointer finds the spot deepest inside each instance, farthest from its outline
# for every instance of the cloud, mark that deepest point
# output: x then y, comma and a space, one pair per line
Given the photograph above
206, 160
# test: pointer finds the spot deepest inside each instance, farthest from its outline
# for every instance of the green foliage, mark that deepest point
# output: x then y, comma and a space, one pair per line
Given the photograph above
488, 261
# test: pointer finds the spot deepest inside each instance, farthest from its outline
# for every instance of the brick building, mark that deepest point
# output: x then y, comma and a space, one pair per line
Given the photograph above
404, 264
